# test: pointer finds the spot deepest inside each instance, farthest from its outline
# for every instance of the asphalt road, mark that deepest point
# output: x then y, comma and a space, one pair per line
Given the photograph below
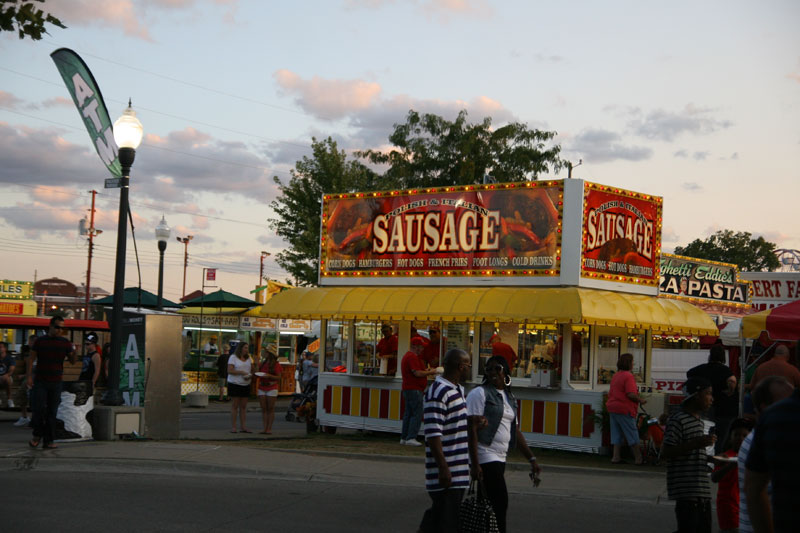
88, 501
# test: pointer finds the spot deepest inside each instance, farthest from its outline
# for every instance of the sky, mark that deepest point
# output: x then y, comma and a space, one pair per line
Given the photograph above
698, 102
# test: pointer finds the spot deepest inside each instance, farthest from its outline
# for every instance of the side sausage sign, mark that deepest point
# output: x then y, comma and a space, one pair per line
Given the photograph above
621, 235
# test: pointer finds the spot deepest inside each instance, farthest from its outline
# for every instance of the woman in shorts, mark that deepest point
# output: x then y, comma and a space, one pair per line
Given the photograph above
240, 373
622, 405
268, 387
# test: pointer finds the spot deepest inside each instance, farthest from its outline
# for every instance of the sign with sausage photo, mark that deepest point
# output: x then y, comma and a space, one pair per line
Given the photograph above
509, 229
621, 235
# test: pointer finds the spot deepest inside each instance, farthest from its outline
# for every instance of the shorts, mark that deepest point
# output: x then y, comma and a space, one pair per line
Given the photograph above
238, 391
623, 429
273, 392
223, 382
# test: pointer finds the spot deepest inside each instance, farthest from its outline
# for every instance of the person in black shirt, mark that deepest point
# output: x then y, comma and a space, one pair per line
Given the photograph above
723, 386
91, 361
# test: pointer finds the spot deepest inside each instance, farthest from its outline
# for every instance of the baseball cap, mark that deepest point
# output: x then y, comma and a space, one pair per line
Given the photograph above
694, 385
417, 341
91, 337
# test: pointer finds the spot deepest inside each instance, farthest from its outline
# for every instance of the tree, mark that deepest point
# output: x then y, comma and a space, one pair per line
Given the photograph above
738, 248
24, 17
299, 206
434, 152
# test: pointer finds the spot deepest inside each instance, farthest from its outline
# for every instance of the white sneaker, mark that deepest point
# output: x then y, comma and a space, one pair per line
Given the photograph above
22, 422
402, 441
413, 442
10, 404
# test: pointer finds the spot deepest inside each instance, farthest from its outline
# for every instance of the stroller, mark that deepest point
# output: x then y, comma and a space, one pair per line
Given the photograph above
306, 396
651, 435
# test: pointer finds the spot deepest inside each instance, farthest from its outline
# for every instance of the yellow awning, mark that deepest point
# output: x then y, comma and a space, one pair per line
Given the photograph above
492, 304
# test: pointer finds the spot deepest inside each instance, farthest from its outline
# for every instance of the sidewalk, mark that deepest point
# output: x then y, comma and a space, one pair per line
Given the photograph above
244, 460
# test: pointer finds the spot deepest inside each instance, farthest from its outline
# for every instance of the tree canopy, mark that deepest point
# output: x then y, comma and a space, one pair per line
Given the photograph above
432, 151
299, 207
26, 18
739, 248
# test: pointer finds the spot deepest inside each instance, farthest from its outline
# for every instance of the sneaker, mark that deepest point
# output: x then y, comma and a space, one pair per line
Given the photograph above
403, 441
10, 404
22, 422
413, 442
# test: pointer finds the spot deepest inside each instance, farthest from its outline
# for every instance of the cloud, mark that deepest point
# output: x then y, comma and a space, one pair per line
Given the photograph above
328, 99
664, 125
681, 153
668, 234
734, 156
700, 156
10, 101
440, 9
548, 58
58, 101
602, 146
120, 13
691, 186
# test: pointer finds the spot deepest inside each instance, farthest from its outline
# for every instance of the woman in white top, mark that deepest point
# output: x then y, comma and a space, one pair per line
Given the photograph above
492, 415
240, 374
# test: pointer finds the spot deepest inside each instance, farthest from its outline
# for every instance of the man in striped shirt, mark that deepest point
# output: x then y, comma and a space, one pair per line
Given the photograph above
685, 442
446, 444
48, 354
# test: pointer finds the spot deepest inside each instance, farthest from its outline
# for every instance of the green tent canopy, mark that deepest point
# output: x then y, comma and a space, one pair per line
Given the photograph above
220, 298
131, 299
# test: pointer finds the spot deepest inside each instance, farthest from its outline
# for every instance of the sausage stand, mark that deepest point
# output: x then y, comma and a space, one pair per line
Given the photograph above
561, 276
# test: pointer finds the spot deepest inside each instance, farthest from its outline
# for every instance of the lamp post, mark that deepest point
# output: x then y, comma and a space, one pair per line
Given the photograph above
128, 135
162, 235
185, 241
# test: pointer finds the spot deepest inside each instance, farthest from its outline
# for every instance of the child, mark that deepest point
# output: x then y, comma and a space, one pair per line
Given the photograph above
685, 442
725, 474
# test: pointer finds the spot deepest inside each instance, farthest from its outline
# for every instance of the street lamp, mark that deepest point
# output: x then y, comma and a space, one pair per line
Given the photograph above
128, 134
162, 235
185, 241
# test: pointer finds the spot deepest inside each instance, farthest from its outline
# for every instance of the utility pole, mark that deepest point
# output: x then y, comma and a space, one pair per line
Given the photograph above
185, 241
570, 166
92, 233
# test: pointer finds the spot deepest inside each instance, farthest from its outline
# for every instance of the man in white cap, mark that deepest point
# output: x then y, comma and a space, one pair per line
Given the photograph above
90, 370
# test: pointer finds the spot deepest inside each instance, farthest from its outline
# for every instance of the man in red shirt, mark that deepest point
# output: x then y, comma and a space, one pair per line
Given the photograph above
387, 349
431, 351
415, 379
779, 365
503, 349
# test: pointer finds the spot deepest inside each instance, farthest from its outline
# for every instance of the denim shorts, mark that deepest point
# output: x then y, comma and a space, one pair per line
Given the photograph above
623, 429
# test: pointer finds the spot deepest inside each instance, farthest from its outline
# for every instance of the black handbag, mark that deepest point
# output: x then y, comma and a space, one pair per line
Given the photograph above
476, 514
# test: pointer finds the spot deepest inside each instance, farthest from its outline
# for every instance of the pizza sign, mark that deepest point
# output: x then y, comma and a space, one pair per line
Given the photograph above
621, 235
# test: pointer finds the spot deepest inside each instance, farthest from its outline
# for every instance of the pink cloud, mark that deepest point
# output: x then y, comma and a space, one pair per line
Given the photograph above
328, 99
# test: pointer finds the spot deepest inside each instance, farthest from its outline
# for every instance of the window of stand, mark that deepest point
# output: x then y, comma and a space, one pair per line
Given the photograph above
579, 355
336, 342
441, 337
375, 351
612, 344
527, 347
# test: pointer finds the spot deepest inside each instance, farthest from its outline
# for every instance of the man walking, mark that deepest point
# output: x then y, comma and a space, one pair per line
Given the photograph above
446, 444
48, 354
415, 379
779, 365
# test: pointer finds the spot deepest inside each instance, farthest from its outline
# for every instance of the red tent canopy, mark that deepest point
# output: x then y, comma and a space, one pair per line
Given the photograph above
44, 323
781, 323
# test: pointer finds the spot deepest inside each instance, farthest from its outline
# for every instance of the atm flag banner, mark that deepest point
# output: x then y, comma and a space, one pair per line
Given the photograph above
89, 101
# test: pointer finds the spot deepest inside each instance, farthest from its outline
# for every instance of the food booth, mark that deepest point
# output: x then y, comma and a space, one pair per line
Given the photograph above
562, 273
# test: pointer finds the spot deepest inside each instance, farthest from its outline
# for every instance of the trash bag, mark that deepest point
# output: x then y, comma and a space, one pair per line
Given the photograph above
72, 413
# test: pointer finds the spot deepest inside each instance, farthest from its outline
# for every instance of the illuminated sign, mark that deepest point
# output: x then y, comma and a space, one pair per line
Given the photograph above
621, 235
699, 280
17, 290
508, 229
250, 323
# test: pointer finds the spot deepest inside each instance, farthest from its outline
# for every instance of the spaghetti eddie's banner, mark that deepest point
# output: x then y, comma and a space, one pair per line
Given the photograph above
476, 230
